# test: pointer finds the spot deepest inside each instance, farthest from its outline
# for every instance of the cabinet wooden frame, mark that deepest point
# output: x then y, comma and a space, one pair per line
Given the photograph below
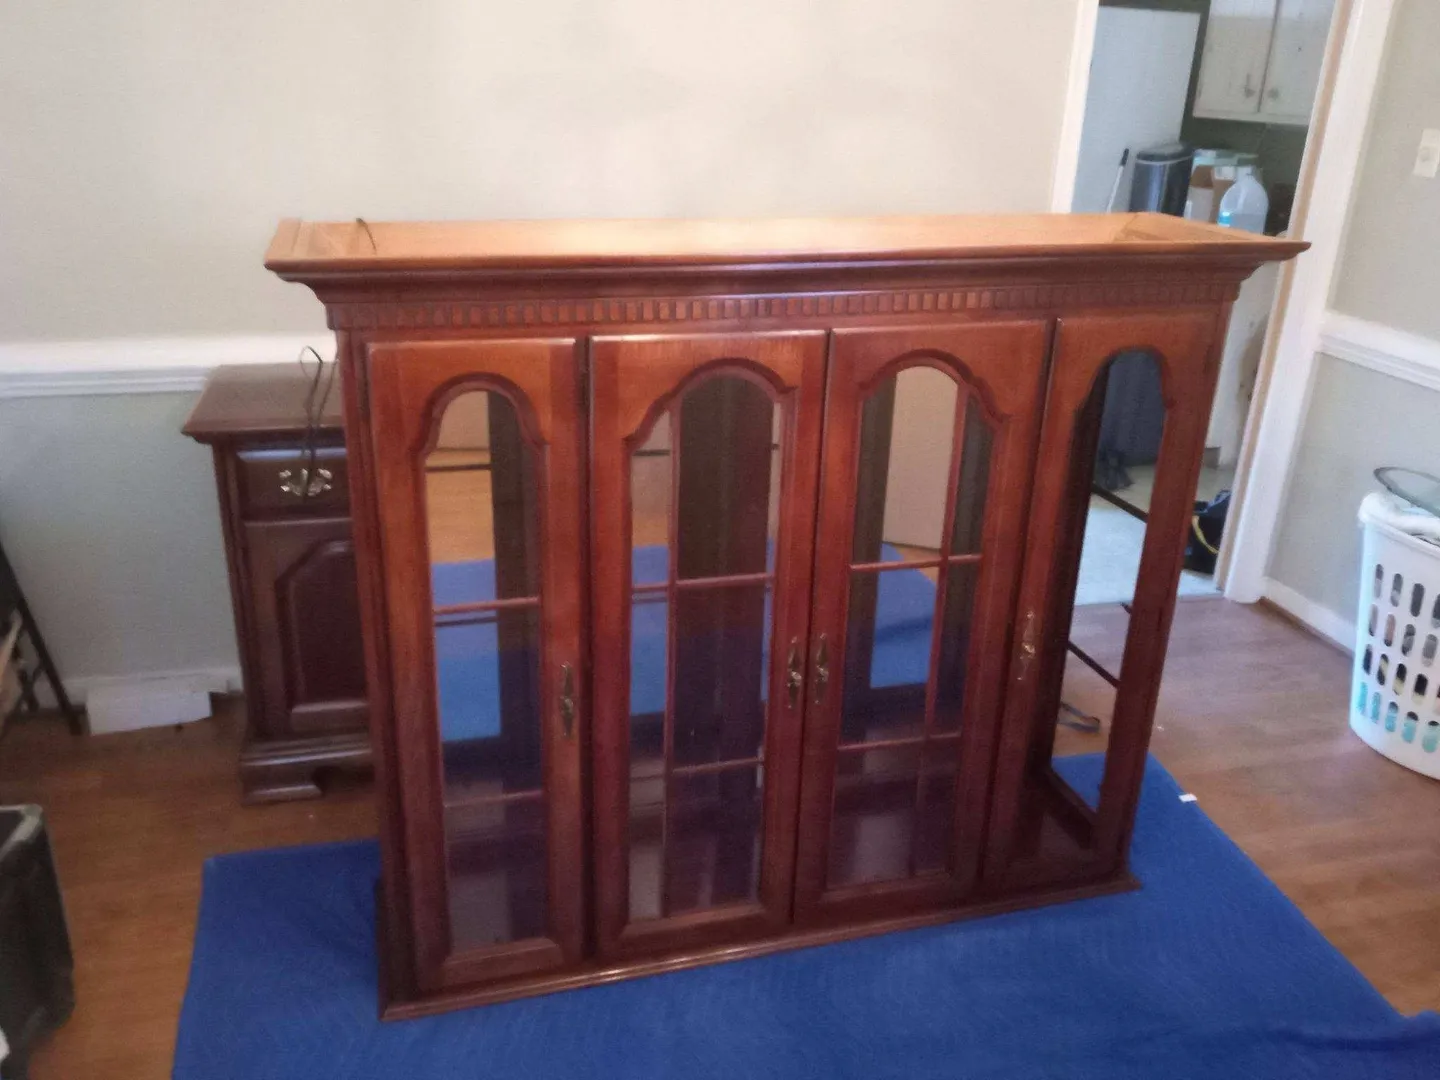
621, 317
1001, 365
413, 383
1186, 346
633, 379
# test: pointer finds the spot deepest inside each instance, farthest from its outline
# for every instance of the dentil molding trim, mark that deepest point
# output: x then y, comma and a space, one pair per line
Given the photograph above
607, 310
179, 364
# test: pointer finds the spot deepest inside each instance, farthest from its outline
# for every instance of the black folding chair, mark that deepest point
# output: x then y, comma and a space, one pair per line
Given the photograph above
31, 646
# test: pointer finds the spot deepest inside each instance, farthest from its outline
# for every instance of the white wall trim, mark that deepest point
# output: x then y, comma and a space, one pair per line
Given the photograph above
139, 365
1352, 72
1327, 623
1072, 120
1411, 357
217, 680
150, 699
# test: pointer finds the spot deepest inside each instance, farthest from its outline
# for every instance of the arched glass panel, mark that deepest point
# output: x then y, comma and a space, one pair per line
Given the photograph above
921, 484
1113, 456
704, 490
482, 526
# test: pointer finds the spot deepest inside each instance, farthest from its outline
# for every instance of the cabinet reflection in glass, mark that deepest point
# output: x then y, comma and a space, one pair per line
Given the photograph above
921, 482
1110, 477
705, 487
482, 516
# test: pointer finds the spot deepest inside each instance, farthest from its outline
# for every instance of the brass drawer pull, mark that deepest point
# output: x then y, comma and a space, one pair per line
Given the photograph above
822, 668
794, 677
567, 699
307, 485
1028, 648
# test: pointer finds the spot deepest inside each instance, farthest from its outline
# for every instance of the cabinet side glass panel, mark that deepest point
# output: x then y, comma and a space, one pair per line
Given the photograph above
1111, 473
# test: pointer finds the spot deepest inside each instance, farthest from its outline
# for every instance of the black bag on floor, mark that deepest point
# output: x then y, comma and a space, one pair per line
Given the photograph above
1206, 529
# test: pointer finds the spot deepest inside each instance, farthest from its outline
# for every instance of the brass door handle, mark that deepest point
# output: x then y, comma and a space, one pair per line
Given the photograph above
822, 668
794, 677
567, 699
1028, 648
307, 484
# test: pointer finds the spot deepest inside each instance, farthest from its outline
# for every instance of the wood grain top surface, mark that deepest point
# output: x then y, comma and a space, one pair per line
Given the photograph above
253, 400
301, 247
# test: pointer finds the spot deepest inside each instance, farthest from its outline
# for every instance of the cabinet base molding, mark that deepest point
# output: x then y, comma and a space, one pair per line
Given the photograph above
393, 1007
281, 771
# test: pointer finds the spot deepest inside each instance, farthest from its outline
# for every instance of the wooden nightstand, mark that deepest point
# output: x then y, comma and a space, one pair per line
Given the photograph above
286, 520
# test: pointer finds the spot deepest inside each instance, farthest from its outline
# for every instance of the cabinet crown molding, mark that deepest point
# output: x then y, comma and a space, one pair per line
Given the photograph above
312, 251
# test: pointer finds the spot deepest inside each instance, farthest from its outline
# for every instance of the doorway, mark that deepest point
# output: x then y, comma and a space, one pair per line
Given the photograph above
1172, 102
1228, 87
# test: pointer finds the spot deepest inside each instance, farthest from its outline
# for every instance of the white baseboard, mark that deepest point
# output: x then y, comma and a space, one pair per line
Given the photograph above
139, 365
157, 699
1322, 620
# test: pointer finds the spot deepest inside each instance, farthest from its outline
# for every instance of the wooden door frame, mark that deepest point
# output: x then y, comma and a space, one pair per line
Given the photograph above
1329, 173
790, 365
1187, 347
863, 357
410, 383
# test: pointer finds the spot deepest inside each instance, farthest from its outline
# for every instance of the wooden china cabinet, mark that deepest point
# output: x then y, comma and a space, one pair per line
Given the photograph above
716, 577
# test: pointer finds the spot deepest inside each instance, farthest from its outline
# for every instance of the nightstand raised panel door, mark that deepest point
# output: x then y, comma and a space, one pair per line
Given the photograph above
929, 443
704, 459
477, 450
312, 669
1050, 824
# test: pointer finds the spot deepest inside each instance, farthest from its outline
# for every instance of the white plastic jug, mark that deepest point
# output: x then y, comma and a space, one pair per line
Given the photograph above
1245, 205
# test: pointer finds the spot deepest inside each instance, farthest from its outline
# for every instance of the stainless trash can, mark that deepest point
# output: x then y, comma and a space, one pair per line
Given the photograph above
1162, 179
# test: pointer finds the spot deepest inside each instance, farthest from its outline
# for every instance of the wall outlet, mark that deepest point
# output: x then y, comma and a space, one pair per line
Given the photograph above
1427, 158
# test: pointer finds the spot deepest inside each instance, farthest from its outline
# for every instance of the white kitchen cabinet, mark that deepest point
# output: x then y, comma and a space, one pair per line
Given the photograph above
1261, 60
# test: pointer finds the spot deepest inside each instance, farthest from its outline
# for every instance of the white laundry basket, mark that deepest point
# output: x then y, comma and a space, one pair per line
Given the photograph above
1395, 696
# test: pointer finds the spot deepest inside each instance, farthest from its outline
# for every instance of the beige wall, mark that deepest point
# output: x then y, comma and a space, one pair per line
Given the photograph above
1388, 272
150, 146
1360, 419
110, 518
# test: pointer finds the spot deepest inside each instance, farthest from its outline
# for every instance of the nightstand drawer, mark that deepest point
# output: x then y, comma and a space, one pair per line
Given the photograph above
283, 481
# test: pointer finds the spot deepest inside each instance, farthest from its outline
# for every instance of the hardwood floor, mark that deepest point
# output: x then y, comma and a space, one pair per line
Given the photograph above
132, 818
1252, 720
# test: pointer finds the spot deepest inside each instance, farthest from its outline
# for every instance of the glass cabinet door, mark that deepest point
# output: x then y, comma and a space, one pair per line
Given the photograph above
703, 513
928, 442
477, 449
1129, 394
